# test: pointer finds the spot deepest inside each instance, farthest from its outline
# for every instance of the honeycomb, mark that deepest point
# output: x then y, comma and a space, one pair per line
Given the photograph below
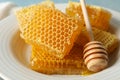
49, 29
57, 39
24, 15
98, 16
72, 63
109, 40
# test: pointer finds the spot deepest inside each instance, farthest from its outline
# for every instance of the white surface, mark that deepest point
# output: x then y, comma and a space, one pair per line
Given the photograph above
14, 55
5, 9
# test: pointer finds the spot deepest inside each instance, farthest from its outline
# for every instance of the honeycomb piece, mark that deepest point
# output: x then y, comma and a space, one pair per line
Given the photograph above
109, 40
24, 15
98, 16
70, 64
49, 29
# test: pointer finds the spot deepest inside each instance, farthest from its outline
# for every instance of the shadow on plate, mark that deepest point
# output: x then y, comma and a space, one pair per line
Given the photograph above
21, 51
113, 57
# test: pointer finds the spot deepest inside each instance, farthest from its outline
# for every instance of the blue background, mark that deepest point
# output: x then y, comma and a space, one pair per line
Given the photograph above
112, 4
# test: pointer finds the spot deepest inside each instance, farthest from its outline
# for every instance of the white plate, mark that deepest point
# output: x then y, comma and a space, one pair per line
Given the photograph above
14, 55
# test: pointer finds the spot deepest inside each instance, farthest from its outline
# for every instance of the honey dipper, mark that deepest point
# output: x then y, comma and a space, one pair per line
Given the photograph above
95, 55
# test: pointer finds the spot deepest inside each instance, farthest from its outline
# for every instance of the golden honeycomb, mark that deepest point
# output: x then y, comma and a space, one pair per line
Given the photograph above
24, 15
49, 29
98, 16
57, 39
109, 40
70, 64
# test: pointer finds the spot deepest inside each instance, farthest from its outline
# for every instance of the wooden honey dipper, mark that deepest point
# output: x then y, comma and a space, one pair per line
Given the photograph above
95, 54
